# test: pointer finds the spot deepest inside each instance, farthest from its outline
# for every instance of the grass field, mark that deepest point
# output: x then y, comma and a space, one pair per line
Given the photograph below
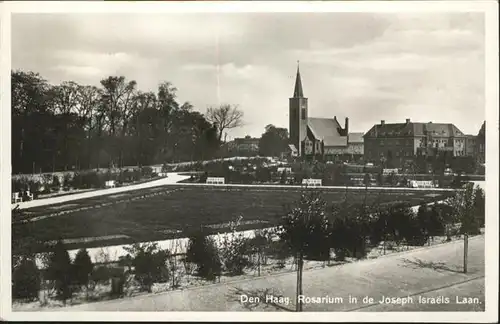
167, 212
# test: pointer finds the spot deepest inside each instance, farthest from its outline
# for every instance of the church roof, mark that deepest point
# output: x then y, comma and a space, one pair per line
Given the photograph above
356, 137
298, 92
327, 130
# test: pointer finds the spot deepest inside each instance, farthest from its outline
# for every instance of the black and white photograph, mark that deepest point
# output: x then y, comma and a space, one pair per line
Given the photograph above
283, 160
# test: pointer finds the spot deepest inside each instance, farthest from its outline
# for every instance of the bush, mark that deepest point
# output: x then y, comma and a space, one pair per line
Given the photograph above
34, 186
100, 275
349, 230
59, 270
26, 280
149, 263
479, 205
67, 180
235, 250
202, 251
306, 227
281, 251
87, 180
146, 172
82, 268
56, 182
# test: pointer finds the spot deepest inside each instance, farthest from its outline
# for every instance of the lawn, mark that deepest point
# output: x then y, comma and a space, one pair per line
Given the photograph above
159, 213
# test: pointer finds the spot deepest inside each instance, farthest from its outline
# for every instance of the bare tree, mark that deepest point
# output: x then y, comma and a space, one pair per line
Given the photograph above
224, 117
65, 97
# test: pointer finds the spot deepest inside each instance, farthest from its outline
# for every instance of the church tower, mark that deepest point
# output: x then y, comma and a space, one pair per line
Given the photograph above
298, 115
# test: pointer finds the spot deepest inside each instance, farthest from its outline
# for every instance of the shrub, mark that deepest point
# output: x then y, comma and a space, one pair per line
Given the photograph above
436, 221
149, 262
82, 267
203, 252
60, 271
118, 285
67, 180
18, 185
348, 231
146, 172
479, 205
100, 275
234, 251
56, 182
26, 280
34, 186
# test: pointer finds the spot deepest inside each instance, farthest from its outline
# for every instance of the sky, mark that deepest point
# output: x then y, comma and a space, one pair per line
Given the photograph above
365, 66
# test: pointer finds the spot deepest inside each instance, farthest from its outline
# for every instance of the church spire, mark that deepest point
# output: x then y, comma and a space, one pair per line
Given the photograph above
298, 93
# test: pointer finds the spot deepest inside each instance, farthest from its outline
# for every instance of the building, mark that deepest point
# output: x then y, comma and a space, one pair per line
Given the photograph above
481, 144
309, 136
355, 144
245, 145
399, 142
470, 145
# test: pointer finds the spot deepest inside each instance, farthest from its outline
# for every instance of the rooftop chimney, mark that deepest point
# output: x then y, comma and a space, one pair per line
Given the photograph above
347, 125
382, 122
407, 120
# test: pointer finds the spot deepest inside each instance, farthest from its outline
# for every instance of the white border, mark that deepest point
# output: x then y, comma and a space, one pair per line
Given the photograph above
490, 8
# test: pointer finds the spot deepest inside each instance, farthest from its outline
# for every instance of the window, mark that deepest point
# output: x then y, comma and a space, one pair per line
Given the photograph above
381, 143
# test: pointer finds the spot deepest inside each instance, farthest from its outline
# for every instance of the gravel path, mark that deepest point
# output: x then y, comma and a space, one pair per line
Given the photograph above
170, 179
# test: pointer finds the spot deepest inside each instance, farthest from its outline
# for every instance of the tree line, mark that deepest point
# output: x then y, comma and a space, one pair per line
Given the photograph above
72, 126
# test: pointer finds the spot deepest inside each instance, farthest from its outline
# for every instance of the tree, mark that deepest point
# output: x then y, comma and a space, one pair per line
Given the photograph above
26, 280
224, 117
305, 229
150, 264
60, 271
462, 203
274, 141
349, 230
82, 268
479, 205
203, 252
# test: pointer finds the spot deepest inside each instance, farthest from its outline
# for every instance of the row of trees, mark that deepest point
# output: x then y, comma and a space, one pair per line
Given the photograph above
73, 126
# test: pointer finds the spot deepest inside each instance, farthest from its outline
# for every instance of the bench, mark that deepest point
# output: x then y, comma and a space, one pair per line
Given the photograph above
16, 197
389, 171
110, 184
421, 184
215, 180
311, 182
28, 196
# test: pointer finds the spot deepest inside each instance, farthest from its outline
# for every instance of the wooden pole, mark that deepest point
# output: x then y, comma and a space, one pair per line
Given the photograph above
466, 248
297, 304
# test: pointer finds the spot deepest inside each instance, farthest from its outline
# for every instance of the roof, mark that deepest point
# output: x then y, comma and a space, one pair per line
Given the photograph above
356, 137
298, 92
327, 130
415, 129
482, 131
292, 147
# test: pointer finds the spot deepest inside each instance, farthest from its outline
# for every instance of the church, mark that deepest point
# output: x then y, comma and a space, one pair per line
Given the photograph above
314, 137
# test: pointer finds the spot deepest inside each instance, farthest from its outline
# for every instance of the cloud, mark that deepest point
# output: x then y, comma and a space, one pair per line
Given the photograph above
367, 66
